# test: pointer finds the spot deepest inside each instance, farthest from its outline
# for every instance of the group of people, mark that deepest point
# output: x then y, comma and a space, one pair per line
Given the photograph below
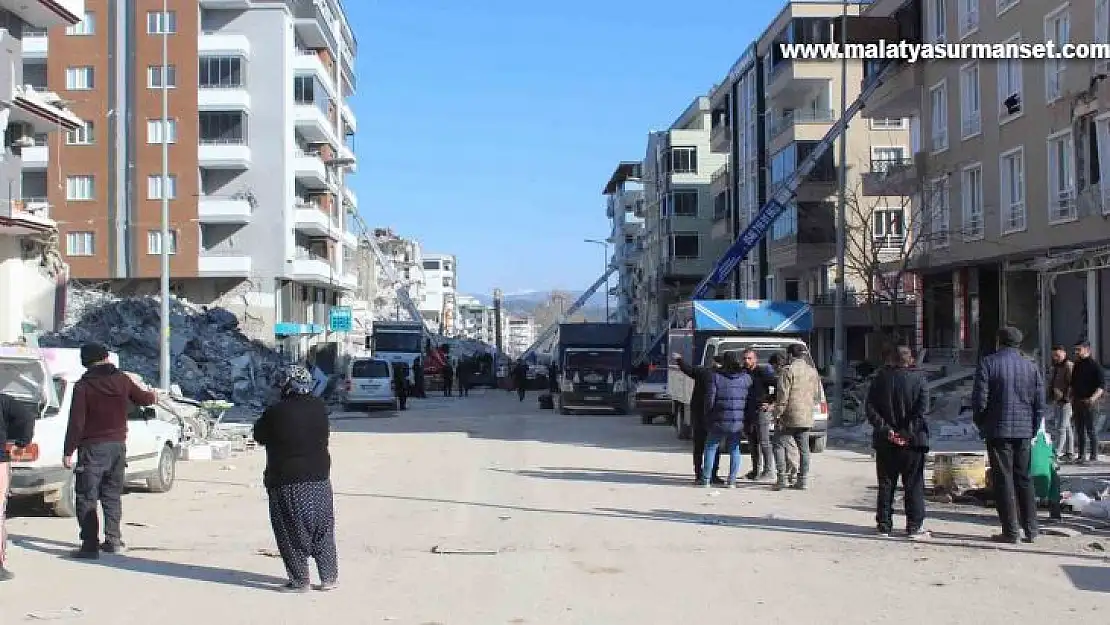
737, 397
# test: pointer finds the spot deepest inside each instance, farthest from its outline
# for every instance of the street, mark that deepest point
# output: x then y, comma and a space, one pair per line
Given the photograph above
546, 519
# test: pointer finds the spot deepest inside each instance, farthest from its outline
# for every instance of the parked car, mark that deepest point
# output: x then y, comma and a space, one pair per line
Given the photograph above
651, 399
43, 379
370, 385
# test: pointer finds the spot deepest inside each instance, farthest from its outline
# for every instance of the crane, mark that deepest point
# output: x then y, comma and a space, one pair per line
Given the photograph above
578, 303
390, 272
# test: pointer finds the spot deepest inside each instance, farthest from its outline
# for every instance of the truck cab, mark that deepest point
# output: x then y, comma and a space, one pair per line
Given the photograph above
397, 341
594, 365
703, 329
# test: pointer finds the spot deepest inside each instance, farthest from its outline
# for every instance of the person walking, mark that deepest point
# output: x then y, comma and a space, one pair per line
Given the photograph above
520, 379
17, 429
462, 377
401, 384
895, 407
97, 434
729, 398
297, 478
1059, 396
798, 388
757, 425
1088, 383
418, 378
1008, 400
448, 377
703, 377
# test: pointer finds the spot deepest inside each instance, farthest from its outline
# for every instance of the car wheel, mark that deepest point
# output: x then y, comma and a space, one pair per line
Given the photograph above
163, 478
817, 444
647, 419
66, 505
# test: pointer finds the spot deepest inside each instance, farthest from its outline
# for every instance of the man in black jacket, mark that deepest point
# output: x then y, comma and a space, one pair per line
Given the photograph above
703, 377
17, 428
895, 407
757, 424
1008, 400
1088, 383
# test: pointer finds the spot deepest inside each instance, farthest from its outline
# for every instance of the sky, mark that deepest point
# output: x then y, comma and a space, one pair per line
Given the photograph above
488, 128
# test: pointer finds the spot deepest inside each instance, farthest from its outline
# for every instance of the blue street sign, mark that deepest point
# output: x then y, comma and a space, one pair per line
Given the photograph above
340, 319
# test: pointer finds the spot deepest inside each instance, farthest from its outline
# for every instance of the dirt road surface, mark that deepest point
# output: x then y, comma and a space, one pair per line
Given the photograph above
591, 520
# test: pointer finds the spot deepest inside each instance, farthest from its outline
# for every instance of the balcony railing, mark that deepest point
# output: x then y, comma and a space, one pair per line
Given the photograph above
223, 141
785, 122
721, 174
860, 299
890, 165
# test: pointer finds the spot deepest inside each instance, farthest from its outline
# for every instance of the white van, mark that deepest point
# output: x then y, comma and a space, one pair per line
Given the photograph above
370, 384
43, 379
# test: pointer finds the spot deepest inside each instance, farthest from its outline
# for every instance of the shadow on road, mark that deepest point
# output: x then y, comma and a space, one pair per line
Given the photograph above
611, 476
126, 562
1089, 578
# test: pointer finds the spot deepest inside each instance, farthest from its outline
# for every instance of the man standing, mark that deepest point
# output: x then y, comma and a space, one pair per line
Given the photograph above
520, 379
1009, 403
895, 407
1088, 382
17, 428
401, 384
703, 377
462, 375
97, 432
757, 426
797, 392
1059, 395
448, 377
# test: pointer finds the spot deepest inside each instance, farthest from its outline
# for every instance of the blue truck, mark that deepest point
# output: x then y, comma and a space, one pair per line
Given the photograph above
595, 367
702, 329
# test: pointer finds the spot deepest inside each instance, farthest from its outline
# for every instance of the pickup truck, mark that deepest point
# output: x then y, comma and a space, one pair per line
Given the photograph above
43, 380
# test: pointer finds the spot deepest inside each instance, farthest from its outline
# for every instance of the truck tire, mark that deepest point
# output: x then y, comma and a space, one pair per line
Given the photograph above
66, 505
817, 443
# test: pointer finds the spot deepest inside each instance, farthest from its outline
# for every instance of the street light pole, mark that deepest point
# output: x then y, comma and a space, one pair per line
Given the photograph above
605, 268
164, 235
839, 331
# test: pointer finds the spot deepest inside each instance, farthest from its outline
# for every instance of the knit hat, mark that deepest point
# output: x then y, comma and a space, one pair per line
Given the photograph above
1009, 336
92, 353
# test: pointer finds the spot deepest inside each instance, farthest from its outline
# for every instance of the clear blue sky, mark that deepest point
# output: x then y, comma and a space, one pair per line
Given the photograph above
487, 128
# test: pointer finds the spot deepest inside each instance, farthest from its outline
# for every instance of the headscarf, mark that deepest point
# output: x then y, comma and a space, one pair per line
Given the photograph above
296, 380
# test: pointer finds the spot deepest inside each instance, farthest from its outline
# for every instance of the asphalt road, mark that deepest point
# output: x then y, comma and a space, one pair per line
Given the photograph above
547, 519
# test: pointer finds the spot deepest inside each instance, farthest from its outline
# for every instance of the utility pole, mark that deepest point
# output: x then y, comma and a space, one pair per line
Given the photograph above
164, 235
839, 331
604, 267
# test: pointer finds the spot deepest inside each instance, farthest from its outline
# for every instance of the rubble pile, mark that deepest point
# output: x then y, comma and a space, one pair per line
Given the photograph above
949, 415
1085, 495
211, 358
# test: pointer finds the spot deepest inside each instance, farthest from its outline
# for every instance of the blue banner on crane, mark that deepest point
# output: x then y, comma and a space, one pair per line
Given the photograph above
740, 248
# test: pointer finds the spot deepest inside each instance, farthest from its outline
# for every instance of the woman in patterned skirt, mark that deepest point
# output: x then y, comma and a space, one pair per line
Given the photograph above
295, 432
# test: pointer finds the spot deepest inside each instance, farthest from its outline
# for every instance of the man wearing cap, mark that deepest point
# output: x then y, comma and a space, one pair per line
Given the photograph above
97, 433
1008, 398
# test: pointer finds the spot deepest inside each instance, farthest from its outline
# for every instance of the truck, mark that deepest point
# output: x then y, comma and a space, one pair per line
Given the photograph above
703, 329
397, 341
595, 367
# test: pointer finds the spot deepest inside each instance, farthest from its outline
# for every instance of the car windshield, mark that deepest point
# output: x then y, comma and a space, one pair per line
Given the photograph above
594, 361
408, 342
370, 369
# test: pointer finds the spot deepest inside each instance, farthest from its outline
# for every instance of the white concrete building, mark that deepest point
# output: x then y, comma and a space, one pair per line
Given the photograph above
476, 321
406, 257
520, 332
624, 205
438, 304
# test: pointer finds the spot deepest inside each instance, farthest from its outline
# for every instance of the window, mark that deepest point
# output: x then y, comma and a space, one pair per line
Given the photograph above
936, 21
971, 194
938, 109
967, 14
1061, 178
888, 228
681, 160
304, 89
971, 101
79, 78
221, 72
685, 245
1012, 175
82, 135
888, 123
87, 26
1010, 85
1057, 27
940, 212
681, 204
431, 265
154, 77
154, 242
154, 130
887, 157
223, 128
1102, 31
1005, 5
154, 187
79, 188
158, 23
446, 282
80, 244
786, 226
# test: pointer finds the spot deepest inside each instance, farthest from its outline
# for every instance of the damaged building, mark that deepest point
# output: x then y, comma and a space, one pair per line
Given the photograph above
1012, 163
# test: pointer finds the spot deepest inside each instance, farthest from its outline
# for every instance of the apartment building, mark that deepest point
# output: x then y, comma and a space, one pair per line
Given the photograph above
678, 248
476, 321
519, 332
1013, 159
624, 206
438, 304
406, 257
29, 263
260, 142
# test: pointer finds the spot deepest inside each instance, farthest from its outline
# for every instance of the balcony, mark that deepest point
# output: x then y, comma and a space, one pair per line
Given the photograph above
900, 94
223, 99
311, 24
312, 269
46, 13
350, 198
28, 216
810, 242
309, 168
347, 281
223, 210
309, 219
224, 154
44, 111
720, 134
223, 264
308, 62
348, 115
225, 4
792, 82
35, 44
721, 179
859, 313
346, 153
35, 157
808, 124
313, 123
892, 177
223, 44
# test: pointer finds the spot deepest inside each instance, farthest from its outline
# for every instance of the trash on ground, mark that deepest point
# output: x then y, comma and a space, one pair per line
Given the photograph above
463, 551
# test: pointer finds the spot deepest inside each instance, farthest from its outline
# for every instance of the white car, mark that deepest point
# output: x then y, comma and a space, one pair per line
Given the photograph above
43, 379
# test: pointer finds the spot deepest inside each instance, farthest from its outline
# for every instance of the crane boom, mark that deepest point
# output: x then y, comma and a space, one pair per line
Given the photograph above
781, 196
578, 303
390, 271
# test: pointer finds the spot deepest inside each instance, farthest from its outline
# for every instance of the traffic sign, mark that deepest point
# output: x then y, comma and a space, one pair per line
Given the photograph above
340, 319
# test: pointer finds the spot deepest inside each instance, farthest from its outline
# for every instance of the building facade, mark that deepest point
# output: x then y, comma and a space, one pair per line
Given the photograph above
439, 302
519, 334
1013, 158
476, 321
260, 142
624, 206
406, 257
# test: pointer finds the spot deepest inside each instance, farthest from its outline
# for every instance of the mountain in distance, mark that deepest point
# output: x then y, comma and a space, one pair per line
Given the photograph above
545, 305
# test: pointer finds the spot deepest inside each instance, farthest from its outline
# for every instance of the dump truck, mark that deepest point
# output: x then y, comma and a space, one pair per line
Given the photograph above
595, 363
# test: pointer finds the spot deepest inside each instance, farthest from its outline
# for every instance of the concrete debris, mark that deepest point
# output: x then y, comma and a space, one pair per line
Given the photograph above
212, 359
1086, 496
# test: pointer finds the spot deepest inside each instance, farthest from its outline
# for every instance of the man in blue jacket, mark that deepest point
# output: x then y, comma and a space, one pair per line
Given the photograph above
729, 399
1009, 403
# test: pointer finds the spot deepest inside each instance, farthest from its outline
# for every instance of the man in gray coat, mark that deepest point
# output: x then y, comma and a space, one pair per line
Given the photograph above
798, 389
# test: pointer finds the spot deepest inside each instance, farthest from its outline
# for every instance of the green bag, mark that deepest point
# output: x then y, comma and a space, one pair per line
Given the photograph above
1042, 464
